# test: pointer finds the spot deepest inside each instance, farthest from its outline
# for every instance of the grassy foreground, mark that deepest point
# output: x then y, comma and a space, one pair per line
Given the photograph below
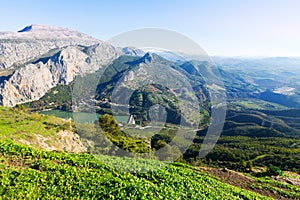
17, 123
27, 173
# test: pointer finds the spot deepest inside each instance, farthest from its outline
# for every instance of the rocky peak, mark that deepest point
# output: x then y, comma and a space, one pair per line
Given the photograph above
39, 28
133, 51
152, 57
148, 57
42, 32
35, 40
36, 31
26, 29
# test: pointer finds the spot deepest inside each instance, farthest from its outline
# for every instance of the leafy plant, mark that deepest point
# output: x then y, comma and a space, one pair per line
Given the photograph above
27, 173
273, 171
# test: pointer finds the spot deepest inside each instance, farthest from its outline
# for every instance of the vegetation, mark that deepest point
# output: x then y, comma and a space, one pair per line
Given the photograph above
17, 123
242, 146
285, 100
260, 138
58, 97
242, 153
254, 104
125, 142
274, 171
36, 174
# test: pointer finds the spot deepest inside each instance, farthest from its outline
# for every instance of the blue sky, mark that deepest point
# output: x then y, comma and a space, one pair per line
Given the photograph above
221, 27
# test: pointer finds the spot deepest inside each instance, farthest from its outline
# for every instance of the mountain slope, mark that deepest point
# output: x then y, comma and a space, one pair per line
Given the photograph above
84, 176
36, 40
132, 72
37, 58
31, 81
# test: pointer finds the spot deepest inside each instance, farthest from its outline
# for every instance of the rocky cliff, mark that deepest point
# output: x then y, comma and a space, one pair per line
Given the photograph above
37, 58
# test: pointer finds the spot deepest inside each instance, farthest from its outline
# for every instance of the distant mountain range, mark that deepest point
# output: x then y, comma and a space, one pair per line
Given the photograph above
38, 58
55, 69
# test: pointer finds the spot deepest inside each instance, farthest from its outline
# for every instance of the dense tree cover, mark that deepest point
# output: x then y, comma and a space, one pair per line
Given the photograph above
241, 153
286, 100
59, 97
112, 131
109, 125
274, 171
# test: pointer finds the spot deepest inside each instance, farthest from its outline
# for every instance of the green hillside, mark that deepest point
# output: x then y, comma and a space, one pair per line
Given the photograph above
247, 135
33, 173
36, 174
17, 123
60, 97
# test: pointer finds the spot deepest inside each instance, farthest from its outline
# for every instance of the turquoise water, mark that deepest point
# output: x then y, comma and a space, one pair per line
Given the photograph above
81, 117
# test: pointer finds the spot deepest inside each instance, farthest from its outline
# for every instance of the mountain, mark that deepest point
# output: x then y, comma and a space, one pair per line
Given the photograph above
37, 58
46, 67
141, 82
33, 41
31, 78
152, 80
255, 62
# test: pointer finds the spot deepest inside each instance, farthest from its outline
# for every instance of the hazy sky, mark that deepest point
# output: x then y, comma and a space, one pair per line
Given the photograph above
221, 27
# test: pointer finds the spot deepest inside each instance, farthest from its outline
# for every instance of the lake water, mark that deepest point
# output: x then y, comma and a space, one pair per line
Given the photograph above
81, 117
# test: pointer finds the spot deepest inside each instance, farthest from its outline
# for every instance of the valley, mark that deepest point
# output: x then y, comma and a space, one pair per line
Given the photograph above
65, 128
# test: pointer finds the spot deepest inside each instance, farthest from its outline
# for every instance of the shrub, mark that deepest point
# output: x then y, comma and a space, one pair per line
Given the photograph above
273, 171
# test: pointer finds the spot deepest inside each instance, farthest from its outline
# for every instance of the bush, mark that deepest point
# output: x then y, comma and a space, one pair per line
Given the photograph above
109, 125
273, 171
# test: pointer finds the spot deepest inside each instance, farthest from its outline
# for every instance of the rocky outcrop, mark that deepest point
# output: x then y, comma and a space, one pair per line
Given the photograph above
31, 81
38, 58
63, 141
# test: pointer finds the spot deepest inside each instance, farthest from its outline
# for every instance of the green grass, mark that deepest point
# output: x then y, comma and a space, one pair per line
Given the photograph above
36, 174
282, 188
17, 123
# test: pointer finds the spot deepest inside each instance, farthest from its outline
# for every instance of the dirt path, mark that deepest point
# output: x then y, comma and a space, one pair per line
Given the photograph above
242, 181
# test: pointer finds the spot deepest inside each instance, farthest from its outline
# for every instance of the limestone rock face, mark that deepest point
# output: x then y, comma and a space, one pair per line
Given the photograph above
37, 58
31, 81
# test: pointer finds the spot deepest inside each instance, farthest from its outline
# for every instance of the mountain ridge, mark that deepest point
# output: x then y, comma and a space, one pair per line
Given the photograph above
29, 69
18, 47
38, 31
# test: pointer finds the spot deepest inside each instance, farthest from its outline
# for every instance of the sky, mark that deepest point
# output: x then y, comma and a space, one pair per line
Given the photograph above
220, 27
